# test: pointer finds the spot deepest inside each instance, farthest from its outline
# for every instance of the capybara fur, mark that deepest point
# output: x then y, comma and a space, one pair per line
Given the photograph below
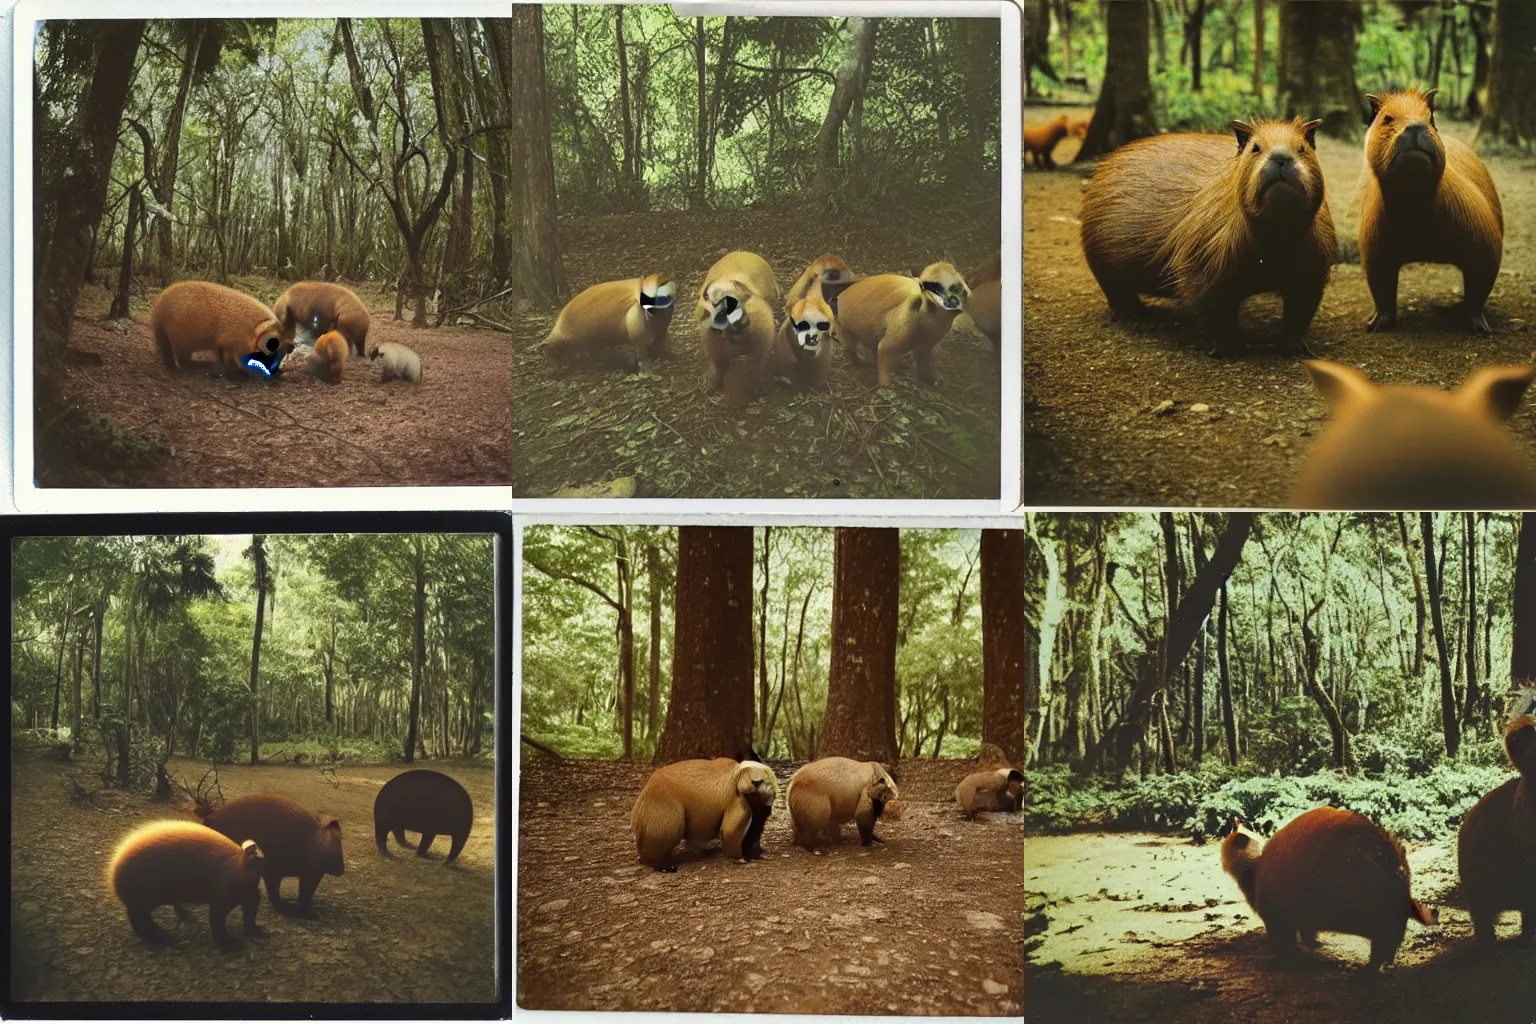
1425, 199
802, 349
172, 863
321, 307
1496, 851
400, 363
1396, 447
1040, 139
694, 802
1194, 218
294, 843
636, 312
329, 359
998, 789
827, 270
895, 314
423, 801
199, 316
831, 791
1326, 871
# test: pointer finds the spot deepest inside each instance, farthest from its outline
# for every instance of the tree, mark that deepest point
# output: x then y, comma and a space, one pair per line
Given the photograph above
1433, 580
1316, 77
1510, 112
1125, 110
257, 553
861, 689
1003, 645
710, 712
852, 78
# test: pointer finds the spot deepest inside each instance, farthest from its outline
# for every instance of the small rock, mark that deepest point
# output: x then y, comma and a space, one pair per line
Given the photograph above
993, 988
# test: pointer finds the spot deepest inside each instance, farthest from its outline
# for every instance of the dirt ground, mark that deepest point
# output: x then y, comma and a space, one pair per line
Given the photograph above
452, 429
1144, 927
393, 930
930, 923
1091, 386
659, 431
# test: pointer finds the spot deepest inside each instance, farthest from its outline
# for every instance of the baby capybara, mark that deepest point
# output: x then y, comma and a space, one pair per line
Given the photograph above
423, 801
1326, 871
1496, 851
199, 316
1191, 217
1396, 447
293, 843
171, 863
320, 307
1425, 199
1040, 139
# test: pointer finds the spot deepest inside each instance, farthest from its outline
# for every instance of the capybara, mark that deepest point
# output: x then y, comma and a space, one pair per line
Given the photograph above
1496, 851
400, 363
1326, 871
998, 789
294, 843
1040, 139
321, 307
199, 316
329, 359
1425, 199
894, 315
1398, 447
827, 793
424, 801
1191, 217
636, 312
696, 801
172, 863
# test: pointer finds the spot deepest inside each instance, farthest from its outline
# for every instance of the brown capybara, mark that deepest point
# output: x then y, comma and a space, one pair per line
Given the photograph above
696, 801
423, 801
1425, 199
200, 316
1326, 871
829, 792
172, 863
1193, 218
294, 844
329, 359
1496, 851
1040, 139
320, 307
1398, 447
997, 789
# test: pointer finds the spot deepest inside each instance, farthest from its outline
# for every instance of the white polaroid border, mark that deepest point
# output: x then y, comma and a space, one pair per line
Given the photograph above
519, 523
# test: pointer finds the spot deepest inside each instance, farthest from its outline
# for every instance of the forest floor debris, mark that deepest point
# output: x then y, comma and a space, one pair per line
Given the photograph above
400, 929
883, 929
1147, 927
593, 422
454, 428
1089, 383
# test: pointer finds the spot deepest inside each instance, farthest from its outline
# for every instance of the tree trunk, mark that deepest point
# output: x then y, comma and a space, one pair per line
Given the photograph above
1002, 641
860, 719
1447, 695
1510, 112
710, 713
851, 76
1318, 73
1125, 110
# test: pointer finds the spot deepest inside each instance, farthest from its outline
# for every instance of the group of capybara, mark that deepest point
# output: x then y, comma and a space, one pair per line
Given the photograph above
246, 336
1337, 871
695, 802
892, 314
222, 860
1193, 218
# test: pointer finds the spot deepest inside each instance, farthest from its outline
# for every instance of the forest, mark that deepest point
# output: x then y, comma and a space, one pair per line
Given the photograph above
372, 153
785, 644
1161, 408
1186, 668
654, 143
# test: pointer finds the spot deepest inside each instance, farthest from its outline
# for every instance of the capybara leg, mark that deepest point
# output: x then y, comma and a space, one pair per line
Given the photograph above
927, 372
1475, 288
400, 838
307, 886
1300, 308
1383, 285
144, 926
426, 841
733, 828
217, 912
458, 845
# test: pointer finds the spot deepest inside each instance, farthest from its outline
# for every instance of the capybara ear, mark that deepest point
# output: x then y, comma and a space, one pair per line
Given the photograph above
1342, 387
1244, 131
1375, 106
1310, 131
1496, 391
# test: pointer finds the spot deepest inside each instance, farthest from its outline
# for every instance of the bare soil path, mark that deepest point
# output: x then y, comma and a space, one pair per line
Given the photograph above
1145, 927
400, 929
929, 923
1091, 385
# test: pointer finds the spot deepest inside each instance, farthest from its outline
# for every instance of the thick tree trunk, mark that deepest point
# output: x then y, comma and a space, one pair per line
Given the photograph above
1002, 641
1125, 110
710, 713
1522, 654
1432, 581
860, 720
1318, 73
851, 76
1510, 112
